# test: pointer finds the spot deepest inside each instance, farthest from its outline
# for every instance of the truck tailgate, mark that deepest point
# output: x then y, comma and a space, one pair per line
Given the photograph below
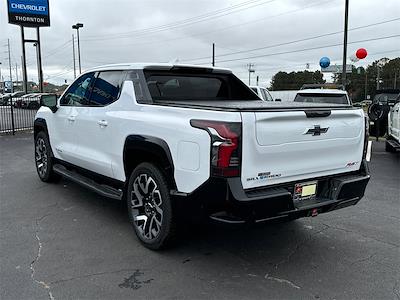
287, 146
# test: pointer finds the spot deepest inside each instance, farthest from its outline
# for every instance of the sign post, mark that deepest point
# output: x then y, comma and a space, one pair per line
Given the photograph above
35, 14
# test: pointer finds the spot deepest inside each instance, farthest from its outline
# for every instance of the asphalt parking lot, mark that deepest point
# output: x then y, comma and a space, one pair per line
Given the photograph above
60, 241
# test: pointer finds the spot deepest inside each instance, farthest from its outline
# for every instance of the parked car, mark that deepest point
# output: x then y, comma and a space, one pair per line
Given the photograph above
18, 102
332, 96
379, 110
163, 136
393, 137
34, 101
4, 100
263, 93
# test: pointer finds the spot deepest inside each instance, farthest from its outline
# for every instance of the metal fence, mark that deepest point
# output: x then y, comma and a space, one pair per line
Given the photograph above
17, 114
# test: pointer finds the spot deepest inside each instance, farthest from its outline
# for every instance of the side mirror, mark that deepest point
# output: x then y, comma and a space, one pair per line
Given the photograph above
278, 100
357, 104
49, 101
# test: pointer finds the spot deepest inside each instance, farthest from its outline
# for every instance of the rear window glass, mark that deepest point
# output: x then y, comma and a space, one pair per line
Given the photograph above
321, 98
191, 86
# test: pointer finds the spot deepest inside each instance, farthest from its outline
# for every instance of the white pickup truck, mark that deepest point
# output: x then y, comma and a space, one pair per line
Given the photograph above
155, 135
393, 138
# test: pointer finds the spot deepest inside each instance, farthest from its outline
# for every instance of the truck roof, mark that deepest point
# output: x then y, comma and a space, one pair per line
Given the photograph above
155, 66
322, 91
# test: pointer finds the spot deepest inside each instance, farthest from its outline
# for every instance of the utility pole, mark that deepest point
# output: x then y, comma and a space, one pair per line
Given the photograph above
22, 68
258, 78
9, 64
251, 70
366, 84
346, 23
378, 77
213, 55
16, 72
73, 55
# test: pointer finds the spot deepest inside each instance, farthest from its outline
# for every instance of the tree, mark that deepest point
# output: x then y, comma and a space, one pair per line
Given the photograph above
362, 82
295, 80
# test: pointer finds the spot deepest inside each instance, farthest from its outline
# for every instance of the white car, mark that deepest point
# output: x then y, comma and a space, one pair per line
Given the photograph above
393, 138
175, 139
332, 96
263, 93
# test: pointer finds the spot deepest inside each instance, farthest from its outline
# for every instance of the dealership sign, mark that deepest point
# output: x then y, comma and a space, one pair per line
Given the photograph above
29, 13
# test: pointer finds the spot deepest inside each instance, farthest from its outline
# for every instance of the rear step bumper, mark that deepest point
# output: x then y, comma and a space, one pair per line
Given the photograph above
260, 205
100, 189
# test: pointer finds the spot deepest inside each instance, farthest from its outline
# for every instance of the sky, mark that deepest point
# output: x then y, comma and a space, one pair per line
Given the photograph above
274, 35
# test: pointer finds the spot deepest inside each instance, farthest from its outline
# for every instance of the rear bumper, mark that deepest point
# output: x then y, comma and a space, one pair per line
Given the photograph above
239, 205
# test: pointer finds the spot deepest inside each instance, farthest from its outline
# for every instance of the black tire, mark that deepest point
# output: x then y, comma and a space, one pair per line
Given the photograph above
33, 105
44, 158
152, 216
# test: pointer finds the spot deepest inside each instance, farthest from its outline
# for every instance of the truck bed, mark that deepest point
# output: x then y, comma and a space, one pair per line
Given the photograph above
251, 105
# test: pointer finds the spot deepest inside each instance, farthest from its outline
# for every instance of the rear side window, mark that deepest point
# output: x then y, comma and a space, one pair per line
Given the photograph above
322, 98
180, 86
106, 88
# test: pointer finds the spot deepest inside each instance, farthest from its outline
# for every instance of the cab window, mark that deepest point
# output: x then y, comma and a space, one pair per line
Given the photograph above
78, 93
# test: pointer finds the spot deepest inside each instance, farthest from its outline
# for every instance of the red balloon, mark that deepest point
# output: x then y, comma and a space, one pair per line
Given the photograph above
361, 53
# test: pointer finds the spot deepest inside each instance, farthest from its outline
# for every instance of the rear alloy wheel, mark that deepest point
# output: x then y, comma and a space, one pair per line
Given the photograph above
149, 206
44, 158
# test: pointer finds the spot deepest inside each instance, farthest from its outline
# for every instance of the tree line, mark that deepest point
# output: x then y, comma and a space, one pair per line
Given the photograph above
361, 82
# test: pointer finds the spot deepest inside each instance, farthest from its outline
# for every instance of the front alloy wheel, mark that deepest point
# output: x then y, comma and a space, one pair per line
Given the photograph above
41, 157
44, 158
149, 206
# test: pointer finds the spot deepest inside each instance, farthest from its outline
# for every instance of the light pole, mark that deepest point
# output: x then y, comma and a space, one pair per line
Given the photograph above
251, 70
40, 74
77, 26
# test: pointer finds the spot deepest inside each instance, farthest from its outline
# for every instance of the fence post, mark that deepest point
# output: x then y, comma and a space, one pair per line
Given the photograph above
12, 116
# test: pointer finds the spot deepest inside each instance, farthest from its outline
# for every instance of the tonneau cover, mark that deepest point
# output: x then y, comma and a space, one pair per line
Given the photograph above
252, 105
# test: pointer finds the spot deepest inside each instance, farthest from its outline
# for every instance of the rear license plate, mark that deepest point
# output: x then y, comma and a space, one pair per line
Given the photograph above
305, 191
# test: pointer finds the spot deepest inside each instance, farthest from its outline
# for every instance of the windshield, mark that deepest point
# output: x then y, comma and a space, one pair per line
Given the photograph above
385, 98
179, 86
322, 98
266, 95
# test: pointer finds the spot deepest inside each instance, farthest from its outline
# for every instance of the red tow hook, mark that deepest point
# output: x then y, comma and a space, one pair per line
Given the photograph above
314, 212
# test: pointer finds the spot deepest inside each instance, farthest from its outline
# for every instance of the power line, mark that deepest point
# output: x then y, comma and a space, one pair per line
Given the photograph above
274, 67
186, 22
228, 27
296, 41
305, 49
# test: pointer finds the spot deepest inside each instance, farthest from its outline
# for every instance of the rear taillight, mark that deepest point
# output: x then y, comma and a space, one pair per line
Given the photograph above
225, 146
366, 136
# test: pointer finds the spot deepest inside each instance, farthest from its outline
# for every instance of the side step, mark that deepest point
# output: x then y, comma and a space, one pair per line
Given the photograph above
104, 190
394, 144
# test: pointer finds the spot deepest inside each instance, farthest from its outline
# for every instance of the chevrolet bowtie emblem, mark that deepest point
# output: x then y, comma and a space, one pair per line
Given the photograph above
317, 130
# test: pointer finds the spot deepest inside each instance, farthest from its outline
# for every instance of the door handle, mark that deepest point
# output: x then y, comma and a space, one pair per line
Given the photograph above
71, 118
102, 123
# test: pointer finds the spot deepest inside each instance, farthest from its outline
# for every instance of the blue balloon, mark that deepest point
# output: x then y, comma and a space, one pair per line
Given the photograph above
324, 62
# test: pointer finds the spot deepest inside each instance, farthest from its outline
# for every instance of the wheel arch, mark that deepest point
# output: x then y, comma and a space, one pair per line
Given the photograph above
38, 126
143, 148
